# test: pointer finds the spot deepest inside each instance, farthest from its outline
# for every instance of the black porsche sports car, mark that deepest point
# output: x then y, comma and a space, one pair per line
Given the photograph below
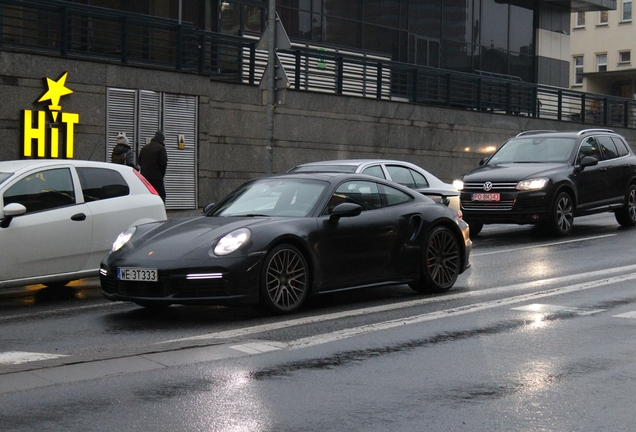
278, 240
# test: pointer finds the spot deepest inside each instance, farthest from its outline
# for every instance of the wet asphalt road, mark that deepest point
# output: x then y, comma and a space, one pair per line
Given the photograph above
536, 336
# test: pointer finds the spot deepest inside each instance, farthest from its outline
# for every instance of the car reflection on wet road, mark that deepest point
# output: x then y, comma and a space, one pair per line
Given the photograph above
532, 338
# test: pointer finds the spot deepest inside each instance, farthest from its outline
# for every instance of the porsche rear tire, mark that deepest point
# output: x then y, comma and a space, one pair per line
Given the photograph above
284, 285
440, 262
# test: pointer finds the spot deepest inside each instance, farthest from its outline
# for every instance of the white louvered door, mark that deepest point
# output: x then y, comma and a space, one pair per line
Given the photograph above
139, 114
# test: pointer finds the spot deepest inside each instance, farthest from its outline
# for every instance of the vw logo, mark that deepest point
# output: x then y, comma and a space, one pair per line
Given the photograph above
487, 186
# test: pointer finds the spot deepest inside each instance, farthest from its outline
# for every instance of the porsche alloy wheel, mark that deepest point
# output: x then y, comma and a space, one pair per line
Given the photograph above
285, 279
441, 262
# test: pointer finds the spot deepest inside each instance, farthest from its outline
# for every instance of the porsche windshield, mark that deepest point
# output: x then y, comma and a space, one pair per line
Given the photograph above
532, 150
273, 197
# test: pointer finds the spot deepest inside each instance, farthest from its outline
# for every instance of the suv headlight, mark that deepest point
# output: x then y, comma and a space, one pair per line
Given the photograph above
459, 184
532, 184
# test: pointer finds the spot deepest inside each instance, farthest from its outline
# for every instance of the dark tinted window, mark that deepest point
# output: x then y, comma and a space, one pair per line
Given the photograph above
101, 183
375, 171
401, 175
43, 190
620, 146
393, 196
363, 193
589, 147
608, 147
420, 180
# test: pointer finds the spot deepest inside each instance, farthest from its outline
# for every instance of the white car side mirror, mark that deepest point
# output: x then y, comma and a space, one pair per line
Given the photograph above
10, 211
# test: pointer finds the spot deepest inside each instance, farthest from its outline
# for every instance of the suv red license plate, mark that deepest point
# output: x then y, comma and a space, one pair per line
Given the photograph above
485, 197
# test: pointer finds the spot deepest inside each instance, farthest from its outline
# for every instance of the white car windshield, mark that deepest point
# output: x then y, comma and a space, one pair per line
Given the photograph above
4, 176
532, 150
273, 197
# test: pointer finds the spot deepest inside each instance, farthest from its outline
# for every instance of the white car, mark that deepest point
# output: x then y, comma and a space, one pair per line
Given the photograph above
59, 218
404, 173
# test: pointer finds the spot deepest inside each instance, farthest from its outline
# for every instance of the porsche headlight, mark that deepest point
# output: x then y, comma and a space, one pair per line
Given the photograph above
532, 184
459, 184
123, 238
232, 241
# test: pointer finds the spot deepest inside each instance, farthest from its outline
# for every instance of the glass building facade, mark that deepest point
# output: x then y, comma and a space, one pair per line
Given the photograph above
491, 36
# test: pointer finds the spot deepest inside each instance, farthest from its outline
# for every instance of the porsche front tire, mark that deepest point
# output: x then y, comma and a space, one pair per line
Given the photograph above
284, 284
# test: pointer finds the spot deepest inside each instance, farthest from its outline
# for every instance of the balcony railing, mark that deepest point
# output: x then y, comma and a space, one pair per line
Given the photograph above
78, 31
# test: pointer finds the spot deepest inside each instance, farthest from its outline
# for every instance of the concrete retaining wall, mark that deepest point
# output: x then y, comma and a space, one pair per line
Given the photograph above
232, 122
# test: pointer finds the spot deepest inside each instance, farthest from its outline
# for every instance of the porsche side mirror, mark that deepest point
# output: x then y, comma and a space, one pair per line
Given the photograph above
344, 210
10, 211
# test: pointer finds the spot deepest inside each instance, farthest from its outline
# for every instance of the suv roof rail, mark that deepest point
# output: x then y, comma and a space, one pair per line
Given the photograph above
532, 132
584, 131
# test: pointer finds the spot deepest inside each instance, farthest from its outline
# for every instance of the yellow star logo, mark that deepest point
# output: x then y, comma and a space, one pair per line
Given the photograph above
57, 89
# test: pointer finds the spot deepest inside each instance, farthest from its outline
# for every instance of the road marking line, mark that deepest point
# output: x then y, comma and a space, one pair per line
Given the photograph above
462, 310
229, 334
541, 245
259, 347
545, 308
18, 357
631, 314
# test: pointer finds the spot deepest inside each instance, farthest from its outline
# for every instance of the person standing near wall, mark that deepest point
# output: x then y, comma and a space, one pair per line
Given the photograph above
123, 153
153, 160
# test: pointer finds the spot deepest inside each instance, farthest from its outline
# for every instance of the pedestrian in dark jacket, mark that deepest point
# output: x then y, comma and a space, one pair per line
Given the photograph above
123, 152
153, 160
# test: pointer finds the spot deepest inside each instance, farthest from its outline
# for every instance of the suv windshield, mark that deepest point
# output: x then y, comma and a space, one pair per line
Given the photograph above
529, 150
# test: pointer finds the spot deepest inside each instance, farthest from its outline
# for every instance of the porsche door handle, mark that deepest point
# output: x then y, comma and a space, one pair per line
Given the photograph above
78, 217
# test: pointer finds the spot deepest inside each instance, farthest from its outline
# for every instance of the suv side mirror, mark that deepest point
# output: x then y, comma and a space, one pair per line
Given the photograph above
586, 162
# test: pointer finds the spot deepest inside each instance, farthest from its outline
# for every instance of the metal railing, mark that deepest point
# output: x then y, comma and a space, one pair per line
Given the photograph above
78, 31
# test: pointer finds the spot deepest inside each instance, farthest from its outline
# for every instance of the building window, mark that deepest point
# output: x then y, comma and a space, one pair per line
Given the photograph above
624, 57
578, 70
580, 19
626, 11
601, 62
602, 18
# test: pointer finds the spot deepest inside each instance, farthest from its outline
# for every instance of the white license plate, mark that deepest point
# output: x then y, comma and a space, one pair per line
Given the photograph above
137, 274
486, 197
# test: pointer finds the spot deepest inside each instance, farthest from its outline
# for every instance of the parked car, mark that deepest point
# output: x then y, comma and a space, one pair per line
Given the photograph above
548, 178
404, 173
278, 240
59, 218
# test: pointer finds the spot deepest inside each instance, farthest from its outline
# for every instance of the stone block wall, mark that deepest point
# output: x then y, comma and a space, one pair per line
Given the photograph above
232, 122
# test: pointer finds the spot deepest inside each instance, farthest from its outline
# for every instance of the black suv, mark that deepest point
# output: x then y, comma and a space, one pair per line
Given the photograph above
549, 177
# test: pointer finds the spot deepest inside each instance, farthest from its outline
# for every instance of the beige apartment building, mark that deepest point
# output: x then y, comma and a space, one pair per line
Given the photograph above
603, 46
